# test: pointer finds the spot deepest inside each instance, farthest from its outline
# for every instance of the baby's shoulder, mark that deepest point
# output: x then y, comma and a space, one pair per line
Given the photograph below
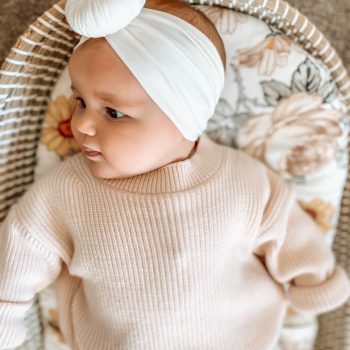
252, 177
56, 179
245, 166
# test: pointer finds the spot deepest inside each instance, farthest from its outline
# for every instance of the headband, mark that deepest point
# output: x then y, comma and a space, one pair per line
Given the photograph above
175, 63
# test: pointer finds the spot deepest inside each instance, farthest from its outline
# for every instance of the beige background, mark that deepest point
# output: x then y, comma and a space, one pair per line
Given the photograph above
330, 16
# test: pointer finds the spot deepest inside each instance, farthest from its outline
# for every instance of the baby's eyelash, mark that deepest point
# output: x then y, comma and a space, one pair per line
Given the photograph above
108, 108
78, 99
112, 109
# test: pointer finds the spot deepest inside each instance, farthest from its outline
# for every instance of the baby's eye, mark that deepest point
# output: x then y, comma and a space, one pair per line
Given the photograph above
80, 101
113, 113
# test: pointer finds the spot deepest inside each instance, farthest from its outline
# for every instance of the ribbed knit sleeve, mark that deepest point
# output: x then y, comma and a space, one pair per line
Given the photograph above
26, 267
34, 241
296, 252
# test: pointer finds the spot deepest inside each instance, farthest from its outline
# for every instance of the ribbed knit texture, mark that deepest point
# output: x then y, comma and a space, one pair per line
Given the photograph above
194, 255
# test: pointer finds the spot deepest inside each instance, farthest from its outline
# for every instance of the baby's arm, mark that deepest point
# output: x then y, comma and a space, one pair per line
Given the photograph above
26, 267
295, 251
29, 259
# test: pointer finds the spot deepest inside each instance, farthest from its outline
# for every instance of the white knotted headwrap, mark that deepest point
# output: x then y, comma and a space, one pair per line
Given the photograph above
176, 64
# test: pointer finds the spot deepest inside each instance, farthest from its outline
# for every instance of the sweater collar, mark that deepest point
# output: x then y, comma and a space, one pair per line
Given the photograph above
172, 177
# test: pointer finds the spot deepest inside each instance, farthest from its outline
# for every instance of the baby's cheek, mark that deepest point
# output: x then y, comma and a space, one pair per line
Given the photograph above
73, 127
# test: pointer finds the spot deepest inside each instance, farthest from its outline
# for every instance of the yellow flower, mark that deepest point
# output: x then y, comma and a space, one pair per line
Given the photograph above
54, 323
57, 134
321, 211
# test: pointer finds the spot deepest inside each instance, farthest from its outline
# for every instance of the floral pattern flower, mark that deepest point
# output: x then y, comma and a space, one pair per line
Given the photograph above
57, 134
225, 20
266, 55
297, 139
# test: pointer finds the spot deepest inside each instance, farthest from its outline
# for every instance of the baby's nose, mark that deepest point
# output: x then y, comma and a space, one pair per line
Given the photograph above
86, 124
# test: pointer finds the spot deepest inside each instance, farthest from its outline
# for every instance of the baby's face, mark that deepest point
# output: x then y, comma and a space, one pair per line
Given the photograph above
116, 117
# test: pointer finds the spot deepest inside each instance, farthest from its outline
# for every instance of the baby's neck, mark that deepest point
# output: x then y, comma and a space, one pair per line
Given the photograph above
193, 150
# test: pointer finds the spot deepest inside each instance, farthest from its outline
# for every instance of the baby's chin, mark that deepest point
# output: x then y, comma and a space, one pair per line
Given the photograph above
102, 171
100, 167
99, 170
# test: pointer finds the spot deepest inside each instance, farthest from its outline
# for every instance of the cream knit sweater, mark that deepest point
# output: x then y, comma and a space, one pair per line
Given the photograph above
194, 255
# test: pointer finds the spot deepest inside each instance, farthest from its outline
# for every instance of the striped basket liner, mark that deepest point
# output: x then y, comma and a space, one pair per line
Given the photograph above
31, 70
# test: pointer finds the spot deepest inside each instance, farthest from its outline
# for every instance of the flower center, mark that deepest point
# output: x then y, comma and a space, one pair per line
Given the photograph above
271, 44
65, 129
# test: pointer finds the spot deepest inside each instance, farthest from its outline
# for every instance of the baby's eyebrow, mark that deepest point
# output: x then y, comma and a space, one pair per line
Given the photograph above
108, 97
104, 95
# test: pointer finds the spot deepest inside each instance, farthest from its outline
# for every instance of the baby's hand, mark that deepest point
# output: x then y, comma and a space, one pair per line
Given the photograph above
297, 253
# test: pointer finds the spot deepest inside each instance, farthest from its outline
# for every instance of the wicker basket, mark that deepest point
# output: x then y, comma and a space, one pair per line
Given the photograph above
34, 64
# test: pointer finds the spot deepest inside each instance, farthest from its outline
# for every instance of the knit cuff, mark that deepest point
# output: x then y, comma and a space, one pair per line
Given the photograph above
323, 297
12, 326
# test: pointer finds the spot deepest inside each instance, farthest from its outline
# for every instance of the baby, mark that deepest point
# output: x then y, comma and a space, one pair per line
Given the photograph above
156, 237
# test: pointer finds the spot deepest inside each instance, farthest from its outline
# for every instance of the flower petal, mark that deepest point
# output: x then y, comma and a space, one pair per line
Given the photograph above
47, 134
55, 142
62, 104
268, 62
63, 148
296, 104
54, 111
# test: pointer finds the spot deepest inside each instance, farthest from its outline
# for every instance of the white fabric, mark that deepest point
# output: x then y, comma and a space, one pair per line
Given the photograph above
176, 64
102, 16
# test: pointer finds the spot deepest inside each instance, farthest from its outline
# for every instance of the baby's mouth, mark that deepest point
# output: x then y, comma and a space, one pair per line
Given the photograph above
90, 152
